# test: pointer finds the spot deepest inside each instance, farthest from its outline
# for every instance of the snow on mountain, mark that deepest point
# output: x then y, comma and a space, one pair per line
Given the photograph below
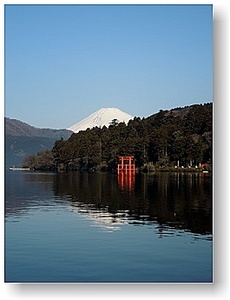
100, 118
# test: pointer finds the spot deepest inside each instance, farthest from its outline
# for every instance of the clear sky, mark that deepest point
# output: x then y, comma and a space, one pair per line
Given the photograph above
63, 62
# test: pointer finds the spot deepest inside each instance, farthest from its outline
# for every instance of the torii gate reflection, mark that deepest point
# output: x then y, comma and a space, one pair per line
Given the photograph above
126, 172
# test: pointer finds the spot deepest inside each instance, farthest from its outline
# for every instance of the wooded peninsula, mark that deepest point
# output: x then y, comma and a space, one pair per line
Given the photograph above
175, 139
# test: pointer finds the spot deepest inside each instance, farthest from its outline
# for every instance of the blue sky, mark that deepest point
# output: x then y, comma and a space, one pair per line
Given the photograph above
64, 62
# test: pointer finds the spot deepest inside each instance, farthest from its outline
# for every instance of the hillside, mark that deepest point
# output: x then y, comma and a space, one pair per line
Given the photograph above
177, 137
18, 147
22, 140
15, 127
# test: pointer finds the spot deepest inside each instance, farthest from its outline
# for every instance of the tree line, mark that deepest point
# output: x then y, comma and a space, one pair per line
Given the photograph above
169, 138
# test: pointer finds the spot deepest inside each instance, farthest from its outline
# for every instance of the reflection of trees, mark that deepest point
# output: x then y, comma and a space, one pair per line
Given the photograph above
177, 200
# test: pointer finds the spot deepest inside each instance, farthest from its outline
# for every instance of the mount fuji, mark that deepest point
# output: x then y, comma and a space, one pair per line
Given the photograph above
100, 118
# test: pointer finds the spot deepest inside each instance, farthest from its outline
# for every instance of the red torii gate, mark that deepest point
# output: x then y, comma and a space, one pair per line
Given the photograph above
126, 164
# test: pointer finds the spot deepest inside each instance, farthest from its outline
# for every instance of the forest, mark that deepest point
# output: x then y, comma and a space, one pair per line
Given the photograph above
180, 137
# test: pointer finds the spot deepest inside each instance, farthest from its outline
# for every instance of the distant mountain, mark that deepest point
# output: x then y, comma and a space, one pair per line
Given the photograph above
22, 139
15, 127
100, 118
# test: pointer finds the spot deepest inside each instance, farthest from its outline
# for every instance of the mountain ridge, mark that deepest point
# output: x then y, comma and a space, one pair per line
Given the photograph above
14, 127
22, 139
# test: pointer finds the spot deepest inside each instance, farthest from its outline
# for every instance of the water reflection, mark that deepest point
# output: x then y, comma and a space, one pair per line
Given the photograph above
101, 218
182, 201
126, 180
26, 190
168, 200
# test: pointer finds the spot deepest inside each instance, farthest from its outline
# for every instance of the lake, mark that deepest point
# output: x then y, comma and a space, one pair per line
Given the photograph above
101, 227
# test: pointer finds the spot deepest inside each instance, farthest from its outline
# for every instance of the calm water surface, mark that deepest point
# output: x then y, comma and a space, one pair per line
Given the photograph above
100, 227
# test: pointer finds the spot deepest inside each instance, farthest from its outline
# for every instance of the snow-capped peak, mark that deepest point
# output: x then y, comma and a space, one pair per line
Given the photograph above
100, 118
